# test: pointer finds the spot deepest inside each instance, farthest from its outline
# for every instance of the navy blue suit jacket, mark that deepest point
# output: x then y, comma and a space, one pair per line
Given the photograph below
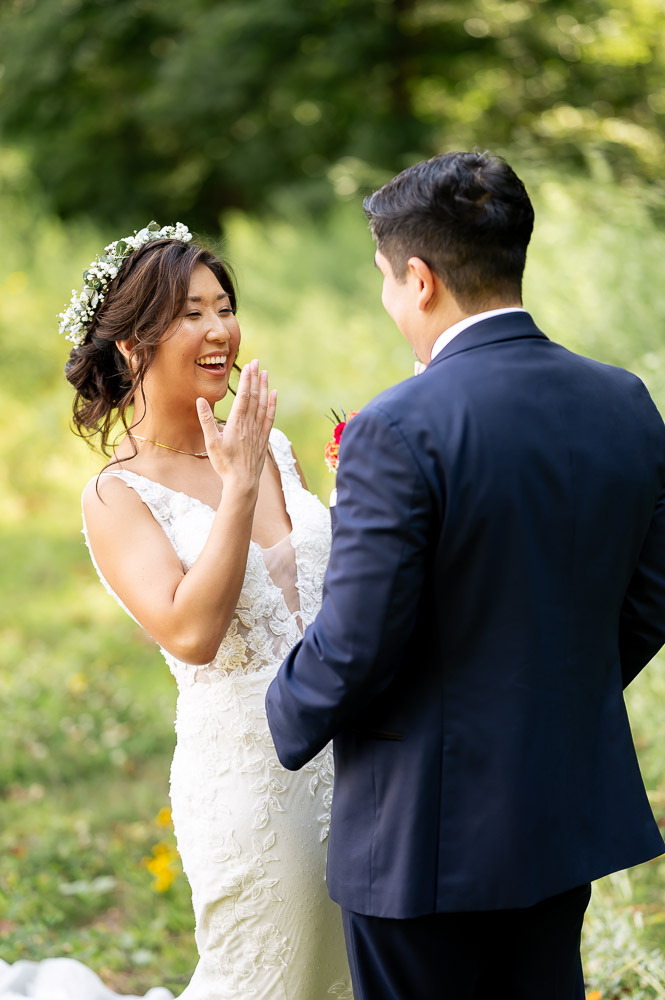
497, 577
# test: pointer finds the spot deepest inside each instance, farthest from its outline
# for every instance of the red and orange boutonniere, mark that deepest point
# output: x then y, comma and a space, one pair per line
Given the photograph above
331, 450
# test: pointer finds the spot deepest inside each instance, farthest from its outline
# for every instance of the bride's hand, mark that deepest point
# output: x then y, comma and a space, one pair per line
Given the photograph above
237, 453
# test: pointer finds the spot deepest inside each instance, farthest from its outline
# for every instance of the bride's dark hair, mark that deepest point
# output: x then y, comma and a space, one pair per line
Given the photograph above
141, 302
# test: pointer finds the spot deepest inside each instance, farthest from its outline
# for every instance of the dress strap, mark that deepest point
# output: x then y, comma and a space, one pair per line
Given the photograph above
281, 449
157, 498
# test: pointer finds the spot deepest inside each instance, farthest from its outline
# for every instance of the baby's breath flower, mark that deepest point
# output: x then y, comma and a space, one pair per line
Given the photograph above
75, 319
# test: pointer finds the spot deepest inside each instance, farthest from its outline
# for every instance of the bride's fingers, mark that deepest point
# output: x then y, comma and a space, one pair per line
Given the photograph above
241, 402
253, 400
262, 404
211, 434
270, 413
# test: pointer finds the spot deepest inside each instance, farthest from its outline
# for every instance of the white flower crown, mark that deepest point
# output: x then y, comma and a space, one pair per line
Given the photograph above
76, 318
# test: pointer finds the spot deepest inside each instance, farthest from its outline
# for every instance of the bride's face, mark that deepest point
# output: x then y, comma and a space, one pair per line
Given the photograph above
196, 354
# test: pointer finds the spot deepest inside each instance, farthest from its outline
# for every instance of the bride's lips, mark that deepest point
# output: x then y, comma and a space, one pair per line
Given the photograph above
214, 364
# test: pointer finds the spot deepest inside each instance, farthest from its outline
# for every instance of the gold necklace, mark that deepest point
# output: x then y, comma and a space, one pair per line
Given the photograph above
194, 454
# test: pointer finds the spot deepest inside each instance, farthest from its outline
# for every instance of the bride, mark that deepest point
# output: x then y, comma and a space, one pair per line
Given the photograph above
210, 540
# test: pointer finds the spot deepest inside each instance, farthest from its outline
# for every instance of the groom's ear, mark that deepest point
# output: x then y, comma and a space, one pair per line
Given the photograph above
424, 282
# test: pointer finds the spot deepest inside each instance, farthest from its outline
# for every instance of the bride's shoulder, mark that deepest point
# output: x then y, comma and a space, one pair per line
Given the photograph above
109, 493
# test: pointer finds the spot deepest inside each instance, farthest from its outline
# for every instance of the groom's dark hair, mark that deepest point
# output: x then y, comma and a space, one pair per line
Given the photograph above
467, 215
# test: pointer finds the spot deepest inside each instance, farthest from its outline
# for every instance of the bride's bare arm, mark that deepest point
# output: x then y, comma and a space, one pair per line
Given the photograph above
188, 613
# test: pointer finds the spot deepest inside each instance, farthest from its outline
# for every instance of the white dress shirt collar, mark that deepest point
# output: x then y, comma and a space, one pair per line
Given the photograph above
463, 324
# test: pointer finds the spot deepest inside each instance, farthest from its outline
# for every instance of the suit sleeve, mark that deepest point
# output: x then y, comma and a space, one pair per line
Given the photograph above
642, 621
353, 650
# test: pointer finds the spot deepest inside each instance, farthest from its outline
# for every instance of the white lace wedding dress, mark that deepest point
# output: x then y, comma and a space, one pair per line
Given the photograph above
251, 835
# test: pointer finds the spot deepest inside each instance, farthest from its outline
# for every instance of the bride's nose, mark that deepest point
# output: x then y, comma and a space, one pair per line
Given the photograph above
218, 331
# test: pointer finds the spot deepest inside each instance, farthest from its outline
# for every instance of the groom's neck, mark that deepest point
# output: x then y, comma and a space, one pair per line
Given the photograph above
448, 312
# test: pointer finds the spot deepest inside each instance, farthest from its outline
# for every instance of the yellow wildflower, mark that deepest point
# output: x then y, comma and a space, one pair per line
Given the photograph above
163, 880
162, 866
163, 817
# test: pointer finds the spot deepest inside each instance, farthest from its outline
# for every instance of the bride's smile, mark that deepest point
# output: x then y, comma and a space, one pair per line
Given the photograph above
215, 364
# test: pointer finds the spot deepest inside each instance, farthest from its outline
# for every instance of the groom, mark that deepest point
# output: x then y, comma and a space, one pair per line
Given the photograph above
497, 578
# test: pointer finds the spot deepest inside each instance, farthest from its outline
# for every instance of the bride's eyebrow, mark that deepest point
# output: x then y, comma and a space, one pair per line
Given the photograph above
199, 298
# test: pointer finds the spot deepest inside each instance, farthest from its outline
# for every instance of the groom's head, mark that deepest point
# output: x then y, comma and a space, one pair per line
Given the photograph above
466, 217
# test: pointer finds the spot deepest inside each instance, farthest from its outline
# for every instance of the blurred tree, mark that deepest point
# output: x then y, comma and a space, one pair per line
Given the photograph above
131, 109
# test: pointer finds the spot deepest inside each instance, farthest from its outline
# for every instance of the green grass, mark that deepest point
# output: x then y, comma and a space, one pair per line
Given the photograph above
88, 703
84, 765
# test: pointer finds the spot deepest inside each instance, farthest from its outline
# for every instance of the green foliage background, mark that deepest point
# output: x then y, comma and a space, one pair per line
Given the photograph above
251, 118
172, 109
